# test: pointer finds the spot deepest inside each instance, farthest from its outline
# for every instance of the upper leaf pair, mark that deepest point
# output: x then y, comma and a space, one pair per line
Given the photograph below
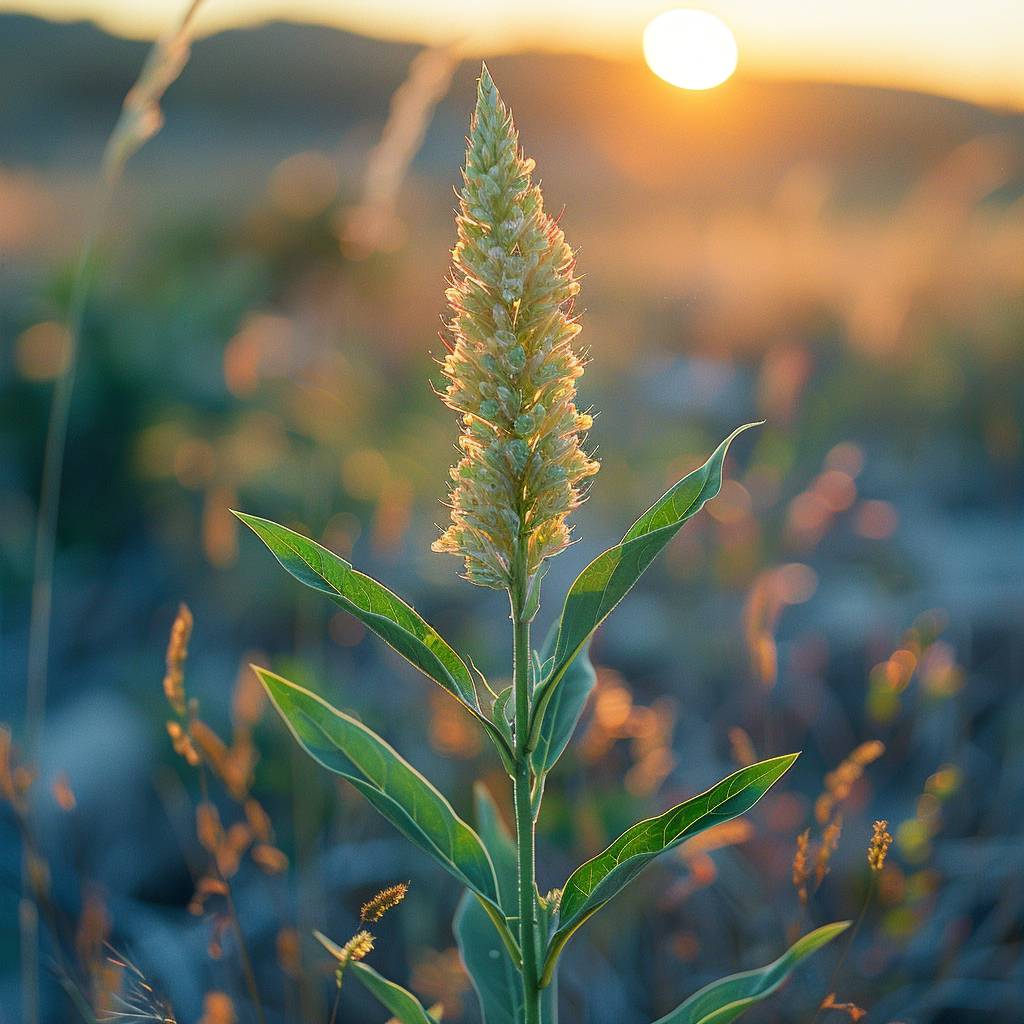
596, 591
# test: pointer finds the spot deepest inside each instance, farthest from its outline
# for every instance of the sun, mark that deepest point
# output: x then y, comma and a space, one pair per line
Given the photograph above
689, 48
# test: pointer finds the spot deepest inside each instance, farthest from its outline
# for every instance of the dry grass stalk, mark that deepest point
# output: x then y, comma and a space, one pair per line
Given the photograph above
742, 747
177, 655
878, 848
374, 224
839, 783
829, 844
218, 1008
801, 871
202, 748
141, 117
851, 1010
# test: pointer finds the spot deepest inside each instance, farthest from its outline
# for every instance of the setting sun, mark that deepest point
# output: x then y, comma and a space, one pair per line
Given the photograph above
691, 49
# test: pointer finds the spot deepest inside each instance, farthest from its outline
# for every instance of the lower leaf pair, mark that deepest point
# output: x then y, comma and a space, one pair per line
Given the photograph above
485, 862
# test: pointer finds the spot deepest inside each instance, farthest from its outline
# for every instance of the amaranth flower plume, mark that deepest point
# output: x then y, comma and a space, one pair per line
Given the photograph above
512, 369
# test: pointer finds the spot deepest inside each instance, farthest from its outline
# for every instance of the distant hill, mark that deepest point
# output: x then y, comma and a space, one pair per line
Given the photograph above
278, 86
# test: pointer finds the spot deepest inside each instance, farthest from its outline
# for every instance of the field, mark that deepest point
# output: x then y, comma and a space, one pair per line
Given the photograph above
843, 262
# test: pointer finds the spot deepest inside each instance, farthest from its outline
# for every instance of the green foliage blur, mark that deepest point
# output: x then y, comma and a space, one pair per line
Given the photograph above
843, 262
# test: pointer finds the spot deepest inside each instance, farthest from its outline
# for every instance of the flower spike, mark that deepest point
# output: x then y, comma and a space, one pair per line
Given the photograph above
512, 369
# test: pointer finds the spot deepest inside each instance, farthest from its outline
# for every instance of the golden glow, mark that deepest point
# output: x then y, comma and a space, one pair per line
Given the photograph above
967, 50
691, 49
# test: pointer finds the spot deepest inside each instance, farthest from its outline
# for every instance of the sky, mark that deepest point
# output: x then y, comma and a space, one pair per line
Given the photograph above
972, 49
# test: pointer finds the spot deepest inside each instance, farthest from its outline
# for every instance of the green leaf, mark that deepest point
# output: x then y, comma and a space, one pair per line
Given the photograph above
398, 1001
412, 804
594, 883
607, 580
373, 604
396, 623
724, 1000
500, 847
500, 712
563, 711
495, 978
487, 961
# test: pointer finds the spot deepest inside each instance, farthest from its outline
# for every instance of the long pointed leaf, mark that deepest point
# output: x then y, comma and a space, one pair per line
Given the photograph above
490, 968
724, 1000
406, 1008
408, 800
395, 622
563, 711
607, 580
594, 883
499, 844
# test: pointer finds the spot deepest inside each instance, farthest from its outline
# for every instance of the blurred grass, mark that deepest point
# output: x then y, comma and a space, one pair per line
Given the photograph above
843, 262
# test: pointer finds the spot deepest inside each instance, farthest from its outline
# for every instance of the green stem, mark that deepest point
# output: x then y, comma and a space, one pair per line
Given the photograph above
523, 803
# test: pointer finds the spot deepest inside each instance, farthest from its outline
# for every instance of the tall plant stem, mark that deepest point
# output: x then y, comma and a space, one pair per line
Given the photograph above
525, 847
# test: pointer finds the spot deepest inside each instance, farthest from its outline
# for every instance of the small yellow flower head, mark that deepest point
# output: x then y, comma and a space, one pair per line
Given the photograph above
512, 369
357, 948
881, 840
387, 899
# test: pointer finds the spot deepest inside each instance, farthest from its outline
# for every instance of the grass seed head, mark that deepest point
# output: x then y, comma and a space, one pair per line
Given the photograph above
829, 844
878, 848
387, 899
177, 653
801, 872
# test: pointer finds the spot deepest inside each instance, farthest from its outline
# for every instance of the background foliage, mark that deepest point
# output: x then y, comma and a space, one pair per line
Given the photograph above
844, 262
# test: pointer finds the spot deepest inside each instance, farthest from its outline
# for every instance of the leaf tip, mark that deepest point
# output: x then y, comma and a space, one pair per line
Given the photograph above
270, 681
249, 520
332, 947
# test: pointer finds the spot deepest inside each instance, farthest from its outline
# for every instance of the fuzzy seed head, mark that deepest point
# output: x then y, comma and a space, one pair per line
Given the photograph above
357, 948
511, 369
878, 849
387, 899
